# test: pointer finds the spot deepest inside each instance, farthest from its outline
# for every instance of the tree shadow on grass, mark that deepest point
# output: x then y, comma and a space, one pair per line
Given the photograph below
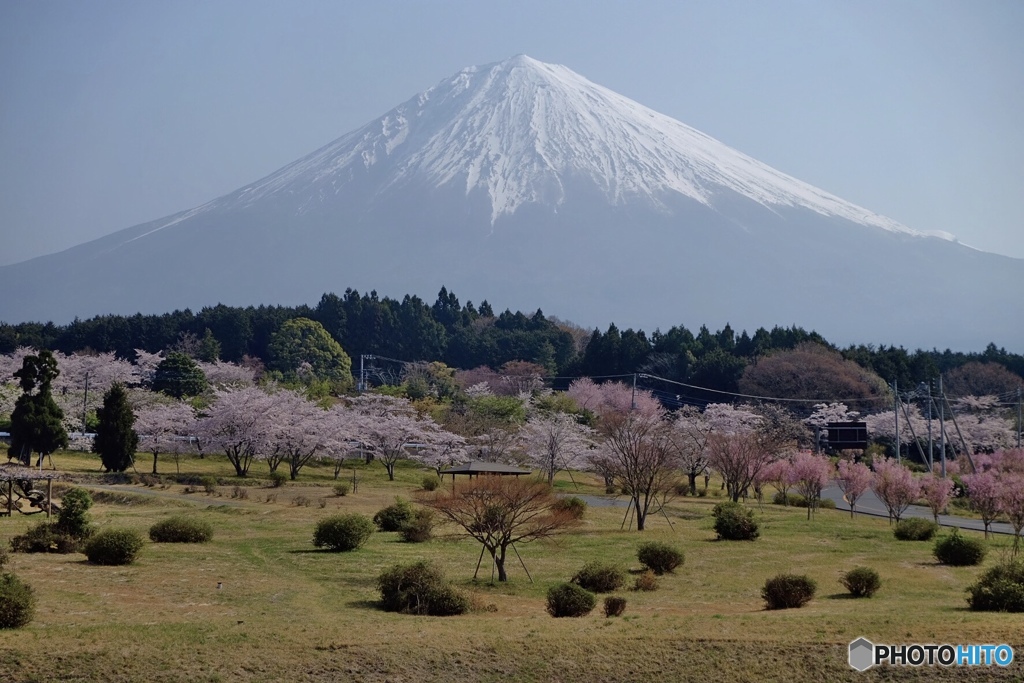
842, 596
374, 605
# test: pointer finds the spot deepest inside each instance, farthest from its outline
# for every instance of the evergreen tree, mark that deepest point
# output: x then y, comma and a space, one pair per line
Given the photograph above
179, 376
36, 423
116, 439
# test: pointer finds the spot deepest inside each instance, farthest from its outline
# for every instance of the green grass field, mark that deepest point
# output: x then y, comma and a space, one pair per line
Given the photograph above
287, 611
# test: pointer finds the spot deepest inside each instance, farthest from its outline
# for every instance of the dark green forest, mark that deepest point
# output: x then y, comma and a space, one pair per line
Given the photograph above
468, 336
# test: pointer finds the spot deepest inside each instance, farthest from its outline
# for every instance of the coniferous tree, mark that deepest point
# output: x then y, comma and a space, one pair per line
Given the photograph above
116, 439
36, 423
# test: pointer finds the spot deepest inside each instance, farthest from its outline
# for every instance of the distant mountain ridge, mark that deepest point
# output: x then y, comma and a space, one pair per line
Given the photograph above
527, 183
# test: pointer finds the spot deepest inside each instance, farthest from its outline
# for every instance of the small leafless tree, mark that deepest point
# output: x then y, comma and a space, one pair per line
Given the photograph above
502, 511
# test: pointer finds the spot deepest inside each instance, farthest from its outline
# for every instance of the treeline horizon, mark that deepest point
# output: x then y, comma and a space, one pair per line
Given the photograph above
467, 336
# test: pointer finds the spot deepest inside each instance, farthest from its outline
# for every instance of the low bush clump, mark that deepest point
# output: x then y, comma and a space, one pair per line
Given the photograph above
787, 591
181, 529
430, 482
394, 517
646, 581
1000, 589
790, 499
278, 479
45, 537
569, 600
660, 558
17, 602
341, 489
210, 484
614, 606
862, 582
419, 588
114, 547
340, 533
733, 522
420, 528
597, 577
575, 507
959, 551
826, 504
915, 529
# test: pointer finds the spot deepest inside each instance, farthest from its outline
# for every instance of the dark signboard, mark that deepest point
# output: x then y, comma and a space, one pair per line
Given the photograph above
847, 435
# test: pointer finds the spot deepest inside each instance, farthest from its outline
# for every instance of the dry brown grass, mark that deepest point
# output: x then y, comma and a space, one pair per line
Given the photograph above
286, 611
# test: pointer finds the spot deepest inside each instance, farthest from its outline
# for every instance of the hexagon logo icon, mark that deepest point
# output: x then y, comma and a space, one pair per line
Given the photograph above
862, 654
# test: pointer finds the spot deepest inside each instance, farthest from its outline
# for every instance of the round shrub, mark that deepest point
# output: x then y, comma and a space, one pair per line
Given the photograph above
342, 532
431, 482
277, 480
660, 558
599, 578
181, 529
114, 547
419, 588
574, 507
17, 603
826, 504
420, 528
959, 551
614, 606
862, 582
646, 581
569, 600
394, 517
341, 489
1000, 589
915, 529
787, 591
733, 522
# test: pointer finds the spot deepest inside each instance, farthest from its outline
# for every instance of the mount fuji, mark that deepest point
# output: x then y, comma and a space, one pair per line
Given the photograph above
526, 184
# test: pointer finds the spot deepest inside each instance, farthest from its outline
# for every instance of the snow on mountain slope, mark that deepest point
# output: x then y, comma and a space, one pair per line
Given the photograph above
519, 129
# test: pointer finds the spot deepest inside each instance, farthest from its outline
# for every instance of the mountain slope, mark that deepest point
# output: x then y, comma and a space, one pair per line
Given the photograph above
527, 184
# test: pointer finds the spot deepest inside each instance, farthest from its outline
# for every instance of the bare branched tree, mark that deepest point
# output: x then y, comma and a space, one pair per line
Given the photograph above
500, 512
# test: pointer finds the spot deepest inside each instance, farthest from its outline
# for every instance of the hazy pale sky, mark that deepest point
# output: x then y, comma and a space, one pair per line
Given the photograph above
115, 113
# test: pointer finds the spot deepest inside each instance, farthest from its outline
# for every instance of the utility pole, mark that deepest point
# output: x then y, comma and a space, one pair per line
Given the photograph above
85, 404
896, 412
632, 403
1018, 417
931, 445
362, 371
942, 427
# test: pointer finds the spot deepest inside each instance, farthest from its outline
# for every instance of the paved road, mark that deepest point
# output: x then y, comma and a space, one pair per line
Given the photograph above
869, 504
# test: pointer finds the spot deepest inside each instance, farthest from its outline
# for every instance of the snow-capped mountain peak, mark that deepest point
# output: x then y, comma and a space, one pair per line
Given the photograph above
521, 129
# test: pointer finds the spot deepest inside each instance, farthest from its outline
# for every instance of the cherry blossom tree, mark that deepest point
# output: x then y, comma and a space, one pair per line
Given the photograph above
895, 486
739, 458
937, 492
688, 434
638, 454
780, 475
853, 480
1011, 501
237, 424
811, 473
221, 375
983, 490
389, 427
295, 430
555, 441
612, 397
164, 428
